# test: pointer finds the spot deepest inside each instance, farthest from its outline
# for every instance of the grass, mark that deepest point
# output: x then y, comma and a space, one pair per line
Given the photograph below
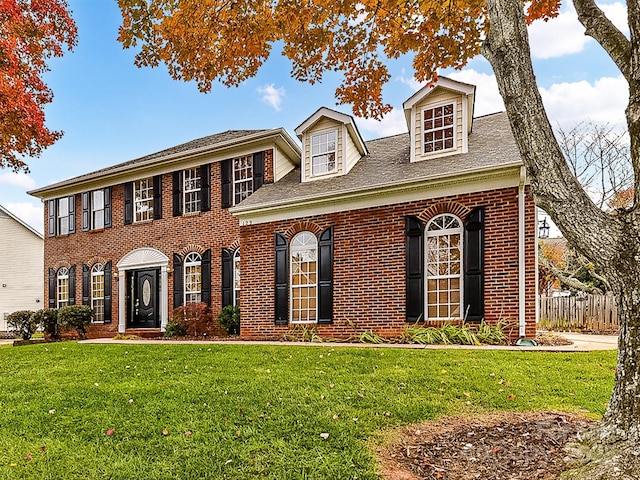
245, 412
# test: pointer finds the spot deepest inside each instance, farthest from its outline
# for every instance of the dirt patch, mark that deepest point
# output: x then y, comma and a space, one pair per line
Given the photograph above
551, 339
501, 446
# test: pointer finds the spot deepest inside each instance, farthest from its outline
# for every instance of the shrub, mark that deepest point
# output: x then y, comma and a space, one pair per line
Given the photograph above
230, 319
75, 317
194, 318
48, 319
174, 329
23, 323
453, 334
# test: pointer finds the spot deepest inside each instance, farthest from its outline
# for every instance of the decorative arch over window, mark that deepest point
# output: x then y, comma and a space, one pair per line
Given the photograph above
192, 278
96, 289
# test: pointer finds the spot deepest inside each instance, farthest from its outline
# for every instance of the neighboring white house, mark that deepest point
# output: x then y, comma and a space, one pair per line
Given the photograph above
21, 266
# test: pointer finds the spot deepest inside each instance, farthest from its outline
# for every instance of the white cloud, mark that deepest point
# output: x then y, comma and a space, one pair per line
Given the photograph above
604, 101
29, 213
21, 180
617, 13
392, 123
272, 96
488, 99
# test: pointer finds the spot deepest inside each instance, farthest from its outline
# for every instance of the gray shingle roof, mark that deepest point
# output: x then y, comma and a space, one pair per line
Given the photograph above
491, 145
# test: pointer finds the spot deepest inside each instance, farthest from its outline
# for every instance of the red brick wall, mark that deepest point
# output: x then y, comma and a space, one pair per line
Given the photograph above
215, 229
369, 265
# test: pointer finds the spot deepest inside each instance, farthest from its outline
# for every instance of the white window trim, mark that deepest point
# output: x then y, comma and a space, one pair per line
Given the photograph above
293, 249
235, 290
60, 217
449, 231
191, 263
63, 274
455, 128
138, 200
97, 271
186, 191
235, 182
93, 210
335, 151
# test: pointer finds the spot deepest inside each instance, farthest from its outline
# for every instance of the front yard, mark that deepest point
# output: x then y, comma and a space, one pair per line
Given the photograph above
233, 411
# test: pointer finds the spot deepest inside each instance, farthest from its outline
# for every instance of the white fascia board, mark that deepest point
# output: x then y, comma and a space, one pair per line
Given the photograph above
388, 194
324, 112
444, 82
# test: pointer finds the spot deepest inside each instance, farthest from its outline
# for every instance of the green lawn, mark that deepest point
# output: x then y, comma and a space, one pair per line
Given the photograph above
230, 411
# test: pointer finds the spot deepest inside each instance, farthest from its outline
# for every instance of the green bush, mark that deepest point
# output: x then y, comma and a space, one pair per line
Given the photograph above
174, 329
230, 319
48, 319
75, 317
23, 323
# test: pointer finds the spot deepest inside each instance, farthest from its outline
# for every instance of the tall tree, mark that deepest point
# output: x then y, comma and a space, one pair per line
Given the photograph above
31, 32
228, 40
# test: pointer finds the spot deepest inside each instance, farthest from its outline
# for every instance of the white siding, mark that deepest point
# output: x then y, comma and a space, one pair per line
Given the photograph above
352, 155
281, 164
21, 268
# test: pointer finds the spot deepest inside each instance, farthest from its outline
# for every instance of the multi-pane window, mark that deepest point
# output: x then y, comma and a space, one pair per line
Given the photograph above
304, 273
63, 287
97, 292
444, 267
143, 199
191, 190
193, 278
323, 152
236, 277
242, 178
438, 128
97, 209
63, 216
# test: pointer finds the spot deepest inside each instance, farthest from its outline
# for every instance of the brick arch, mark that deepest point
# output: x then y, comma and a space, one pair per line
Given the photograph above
454, 208
58, 265
304, 226
192, 248
92, 261
234, 246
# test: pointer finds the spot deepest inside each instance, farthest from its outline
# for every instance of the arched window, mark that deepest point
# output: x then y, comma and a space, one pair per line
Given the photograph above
193, 278
63, 287
444, 268
236, 277
97, 292
304, 278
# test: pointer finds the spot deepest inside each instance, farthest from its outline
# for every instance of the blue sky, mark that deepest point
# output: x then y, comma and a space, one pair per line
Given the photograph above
111, 111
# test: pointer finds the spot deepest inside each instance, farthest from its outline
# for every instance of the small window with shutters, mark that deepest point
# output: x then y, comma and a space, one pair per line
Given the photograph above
304, 278
97, 292
62, 288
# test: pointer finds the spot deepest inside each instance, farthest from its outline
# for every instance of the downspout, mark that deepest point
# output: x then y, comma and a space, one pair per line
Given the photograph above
521, 255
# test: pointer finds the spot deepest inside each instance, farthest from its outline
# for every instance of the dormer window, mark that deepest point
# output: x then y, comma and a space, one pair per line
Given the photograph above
439, 128
323, 152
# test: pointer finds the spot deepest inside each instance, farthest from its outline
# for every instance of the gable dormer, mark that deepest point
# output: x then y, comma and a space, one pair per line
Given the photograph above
331, 145
439, 118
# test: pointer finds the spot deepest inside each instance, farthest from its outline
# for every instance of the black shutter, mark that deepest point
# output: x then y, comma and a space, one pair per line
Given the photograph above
107, 292
325, 277
86, 209
52, 218
205, 268
177, 280
281, 280
72, 214
157, 197
225, 187
86, 285
258, 170
474, 265
107, 207
72, 285
414, 267
52, 288
128, 203
177, 193
205, 187
227, 277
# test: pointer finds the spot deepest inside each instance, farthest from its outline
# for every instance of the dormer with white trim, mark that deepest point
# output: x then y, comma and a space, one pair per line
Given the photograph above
331, 145
440, 118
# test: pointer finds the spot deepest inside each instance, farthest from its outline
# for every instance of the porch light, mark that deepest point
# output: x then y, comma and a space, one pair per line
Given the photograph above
543, 228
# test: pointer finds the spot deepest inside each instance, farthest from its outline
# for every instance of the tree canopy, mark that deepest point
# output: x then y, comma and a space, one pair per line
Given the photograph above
31, 32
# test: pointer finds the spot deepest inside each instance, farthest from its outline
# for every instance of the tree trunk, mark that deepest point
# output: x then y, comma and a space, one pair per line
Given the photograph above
611, 241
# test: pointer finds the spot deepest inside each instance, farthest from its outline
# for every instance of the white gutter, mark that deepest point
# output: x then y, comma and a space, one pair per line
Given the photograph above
521, 255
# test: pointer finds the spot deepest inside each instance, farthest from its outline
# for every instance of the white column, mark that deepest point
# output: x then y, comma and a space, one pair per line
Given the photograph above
164, 297
521, 255
122, 311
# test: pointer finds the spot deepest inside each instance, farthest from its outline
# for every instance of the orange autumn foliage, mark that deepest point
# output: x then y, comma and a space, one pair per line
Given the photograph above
31, 32
228, 40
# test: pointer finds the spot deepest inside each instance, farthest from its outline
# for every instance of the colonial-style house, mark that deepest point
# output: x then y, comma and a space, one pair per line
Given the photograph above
21, 262
339, 233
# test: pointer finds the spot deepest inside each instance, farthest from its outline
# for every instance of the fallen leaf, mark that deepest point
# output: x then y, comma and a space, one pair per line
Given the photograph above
361, 395
443, 371
466, 394
52, 411
110, 432
187, 433
42, 448
28, 457
324, 436
165, 432
511, 397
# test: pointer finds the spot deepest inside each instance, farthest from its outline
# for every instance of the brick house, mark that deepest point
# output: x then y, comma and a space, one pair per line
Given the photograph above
430, 226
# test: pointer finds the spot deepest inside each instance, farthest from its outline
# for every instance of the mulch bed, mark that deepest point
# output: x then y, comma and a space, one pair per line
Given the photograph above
501, 446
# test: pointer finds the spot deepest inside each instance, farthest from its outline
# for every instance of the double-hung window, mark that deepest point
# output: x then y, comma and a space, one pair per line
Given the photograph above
191, 190
63, 216
97, 292
304, 281
97, 209
323, 152
192, 278
236, 277
62, 281
444, 267
438, 128
143, 199
242, 178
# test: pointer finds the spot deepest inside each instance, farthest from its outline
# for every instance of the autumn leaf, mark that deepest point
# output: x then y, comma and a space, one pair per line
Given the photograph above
28, 457
110, 432
511, 398
165, 432
324, 436
187, 433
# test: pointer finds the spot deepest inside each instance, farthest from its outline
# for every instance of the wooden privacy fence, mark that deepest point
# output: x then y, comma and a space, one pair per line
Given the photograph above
593, 313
